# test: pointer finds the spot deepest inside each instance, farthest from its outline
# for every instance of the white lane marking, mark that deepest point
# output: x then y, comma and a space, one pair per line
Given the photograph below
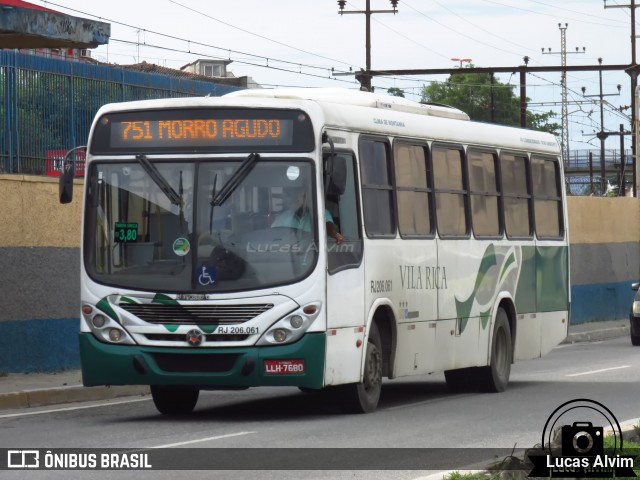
218, 437
598, 371
68, 409
424, 402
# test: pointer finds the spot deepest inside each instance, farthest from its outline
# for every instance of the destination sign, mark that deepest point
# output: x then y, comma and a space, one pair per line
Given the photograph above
272, 131
203, 130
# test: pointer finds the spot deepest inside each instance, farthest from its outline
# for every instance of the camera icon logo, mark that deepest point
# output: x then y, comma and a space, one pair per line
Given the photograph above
582, 439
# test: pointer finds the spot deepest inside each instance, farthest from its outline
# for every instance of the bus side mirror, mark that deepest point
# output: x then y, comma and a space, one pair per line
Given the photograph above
336, 176
635, 286
65, 185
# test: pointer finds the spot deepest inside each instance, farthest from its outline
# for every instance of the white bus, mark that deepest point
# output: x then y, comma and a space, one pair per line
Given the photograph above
316, 238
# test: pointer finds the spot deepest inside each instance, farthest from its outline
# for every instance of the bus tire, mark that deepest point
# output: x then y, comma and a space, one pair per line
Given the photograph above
363, 397
495, 377
171, 400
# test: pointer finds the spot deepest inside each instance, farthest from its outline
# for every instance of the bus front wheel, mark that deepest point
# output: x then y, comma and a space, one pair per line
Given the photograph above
171, 400
363, 397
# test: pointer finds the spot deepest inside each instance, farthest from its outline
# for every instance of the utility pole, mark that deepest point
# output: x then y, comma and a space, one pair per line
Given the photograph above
365, 77
563, 62
602, 135
633, 73
461, 60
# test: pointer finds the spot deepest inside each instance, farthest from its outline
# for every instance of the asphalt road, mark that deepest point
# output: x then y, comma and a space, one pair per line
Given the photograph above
415, 412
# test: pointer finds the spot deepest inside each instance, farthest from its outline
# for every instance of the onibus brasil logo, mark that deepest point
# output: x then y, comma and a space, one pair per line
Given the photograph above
573, 444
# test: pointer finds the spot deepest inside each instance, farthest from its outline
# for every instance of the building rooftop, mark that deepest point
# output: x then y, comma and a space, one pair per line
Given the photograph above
25, 25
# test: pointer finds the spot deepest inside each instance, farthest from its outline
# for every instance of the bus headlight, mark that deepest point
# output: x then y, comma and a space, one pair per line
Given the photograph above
296, 321
636, 308
98, 321
291, 328
279, 335
105, 328
115, 335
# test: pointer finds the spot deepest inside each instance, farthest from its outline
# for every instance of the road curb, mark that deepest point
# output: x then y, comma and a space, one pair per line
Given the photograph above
597, 335
60, 395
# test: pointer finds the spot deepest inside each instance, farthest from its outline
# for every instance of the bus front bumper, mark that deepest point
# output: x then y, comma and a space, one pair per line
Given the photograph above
298, 364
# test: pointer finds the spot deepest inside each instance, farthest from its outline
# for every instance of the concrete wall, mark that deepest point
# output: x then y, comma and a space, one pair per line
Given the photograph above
39, 275
605, 256
40, 264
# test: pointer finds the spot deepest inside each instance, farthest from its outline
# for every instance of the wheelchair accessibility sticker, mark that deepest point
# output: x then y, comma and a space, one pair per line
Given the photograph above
206, 275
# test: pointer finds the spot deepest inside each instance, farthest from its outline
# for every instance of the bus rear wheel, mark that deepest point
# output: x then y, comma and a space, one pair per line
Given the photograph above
495, 377
170, 400
363, 397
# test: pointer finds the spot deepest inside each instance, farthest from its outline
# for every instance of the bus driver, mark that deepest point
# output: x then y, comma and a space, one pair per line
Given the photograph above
298, 216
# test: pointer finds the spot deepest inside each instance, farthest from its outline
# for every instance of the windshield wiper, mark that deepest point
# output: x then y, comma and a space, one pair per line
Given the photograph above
236, 179
159, 180
213, 196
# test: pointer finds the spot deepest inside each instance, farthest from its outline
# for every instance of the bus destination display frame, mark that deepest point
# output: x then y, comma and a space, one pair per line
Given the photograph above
203, 130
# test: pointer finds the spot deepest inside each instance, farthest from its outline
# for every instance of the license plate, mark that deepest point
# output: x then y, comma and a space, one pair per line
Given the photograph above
284, 367
236, 330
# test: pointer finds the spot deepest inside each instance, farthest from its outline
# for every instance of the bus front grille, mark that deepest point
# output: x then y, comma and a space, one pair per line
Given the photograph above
195, 363
195, 314
172, 337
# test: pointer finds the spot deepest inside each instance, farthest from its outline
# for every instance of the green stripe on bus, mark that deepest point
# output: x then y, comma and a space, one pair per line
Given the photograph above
105, 306
463, 308
164, 299
543, 282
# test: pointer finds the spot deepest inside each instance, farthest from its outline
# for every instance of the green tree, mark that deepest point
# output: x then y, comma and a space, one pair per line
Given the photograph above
471, 93
396, 92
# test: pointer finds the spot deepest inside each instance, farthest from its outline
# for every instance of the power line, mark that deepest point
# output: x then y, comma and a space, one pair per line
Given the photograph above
190, 42
457, 31
464, 19
200, 54
565, 9
257, 34
549, 15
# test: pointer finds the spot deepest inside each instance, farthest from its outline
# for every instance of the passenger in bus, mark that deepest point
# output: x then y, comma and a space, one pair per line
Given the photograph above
299, 216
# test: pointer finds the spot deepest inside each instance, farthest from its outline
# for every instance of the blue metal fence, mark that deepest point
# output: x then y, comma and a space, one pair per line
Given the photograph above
47, 105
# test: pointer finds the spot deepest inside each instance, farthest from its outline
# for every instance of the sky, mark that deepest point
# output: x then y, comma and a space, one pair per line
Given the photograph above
303, 43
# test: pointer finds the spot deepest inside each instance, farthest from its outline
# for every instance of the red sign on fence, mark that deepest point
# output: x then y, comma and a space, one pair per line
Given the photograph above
54, 159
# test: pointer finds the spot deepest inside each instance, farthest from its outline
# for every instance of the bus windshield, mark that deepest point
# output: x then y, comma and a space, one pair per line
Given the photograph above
164, 225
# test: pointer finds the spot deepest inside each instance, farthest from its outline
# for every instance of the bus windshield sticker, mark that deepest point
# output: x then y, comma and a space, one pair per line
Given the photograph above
181, 246
293, 172
206, 275
125, 232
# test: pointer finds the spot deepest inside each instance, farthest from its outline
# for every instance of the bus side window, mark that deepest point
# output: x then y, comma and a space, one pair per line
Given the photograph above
414, 195
547, 197
344, 210
485, 195
451, 192
516, 195
377, 188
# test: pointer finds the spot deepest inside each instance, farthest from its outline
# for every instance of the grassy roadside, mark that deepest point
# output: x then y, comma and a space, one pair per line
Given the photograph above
631, 446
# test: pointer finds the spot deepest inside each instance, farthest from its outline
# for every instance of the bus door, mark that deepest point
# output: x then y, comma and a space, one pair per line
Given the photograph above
345, 275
